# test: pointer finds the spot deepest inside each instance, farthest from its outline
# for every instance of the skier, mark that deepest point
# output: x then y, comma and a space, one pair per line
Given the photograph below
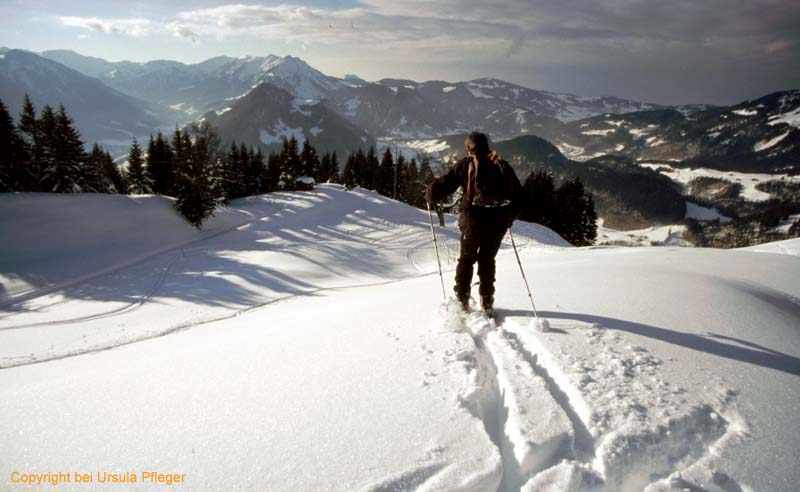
492, 200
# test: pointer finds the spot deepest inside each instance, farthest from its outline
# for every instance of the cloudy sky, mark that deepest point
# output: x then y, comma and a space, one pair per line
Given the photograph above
663, 51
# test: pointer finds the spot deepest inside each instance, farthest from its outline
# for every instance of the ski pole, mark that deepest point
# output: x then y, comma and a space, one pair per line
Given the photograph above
436, 248
541, 324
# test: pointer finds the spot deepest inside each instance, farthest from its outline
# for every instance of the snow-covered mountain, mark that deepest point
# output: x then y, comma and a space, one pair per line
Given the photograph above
267, 114
754, 134
408, 109
101, 113
198, 88
387, 108
762, 135
298, 343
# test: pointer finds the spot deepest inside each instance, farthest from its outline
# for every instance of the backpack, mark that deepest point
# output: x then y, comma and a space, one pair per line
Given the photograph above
489, 182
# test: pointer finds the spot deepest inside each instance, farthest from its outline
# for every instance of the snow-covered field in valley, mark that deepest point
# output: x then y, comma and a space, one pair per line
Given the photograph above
749, 181
300, 343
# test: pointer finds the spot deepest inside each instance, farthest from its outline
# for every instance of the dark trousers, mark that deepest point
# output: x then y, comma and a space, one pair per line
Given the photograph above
481, 247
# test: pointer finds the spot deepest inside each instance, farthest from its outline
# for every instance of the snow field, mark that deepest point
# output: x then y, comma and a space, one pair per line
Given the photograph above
245, 267
303, 350
786, 247
747, 180
35, 219
695, 211
671, 235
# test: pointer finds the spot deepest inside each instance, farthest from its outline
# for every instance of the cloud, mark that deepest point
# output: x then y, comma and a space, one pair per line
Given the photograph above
134, 27
711, 42
545, 29
181, 31
359, 27
631, 26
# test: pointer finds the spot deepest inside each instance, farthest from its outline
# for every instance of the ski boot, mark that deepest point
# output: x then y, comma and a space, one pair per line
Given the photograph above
487, 304
463, 301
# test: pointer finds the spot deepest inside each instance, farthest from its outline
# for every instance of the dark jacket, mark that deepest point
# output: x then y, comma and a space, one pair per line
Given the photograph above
493, 175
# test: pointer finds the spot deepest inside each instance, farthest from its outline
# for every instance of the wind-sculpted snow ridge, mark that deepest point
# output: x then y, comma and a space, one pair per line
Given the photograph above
604, 420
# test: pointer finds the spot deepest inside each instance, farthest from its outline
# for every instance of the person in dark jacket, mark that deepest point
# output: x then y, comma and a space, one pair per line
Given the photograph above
492, 200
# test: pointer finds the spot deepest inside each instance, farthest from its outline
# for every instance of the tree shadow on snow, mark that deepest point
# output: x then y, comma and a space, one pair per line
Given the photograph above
305, 253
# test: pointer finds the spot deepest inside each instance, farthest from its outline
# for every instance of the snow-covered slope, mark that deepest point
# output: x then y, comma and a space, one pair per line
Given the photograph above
407, 109
101, 113
197, 88
786, 247
128, 229
268, 114
387, 108
755, 136
306, 349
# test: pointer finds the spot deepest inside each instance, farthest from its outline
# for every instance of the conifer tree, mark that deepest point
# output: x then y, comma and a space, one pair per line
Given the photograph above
324, 174
48, 175
159, 164
196, 197
349, 173
177, 146
291, 164
426, 176
540, 200
400, 187
13, 172
246, 178
575, 215
309, 160
148, 156
29, 132
202, 133
227, 176
414, 189
71, 153
96, 161
257, 172
181, 148
371, 170
274, 167
385, 178
359, 173
112, 175
63, 160
334, 177
27, 121
138, 179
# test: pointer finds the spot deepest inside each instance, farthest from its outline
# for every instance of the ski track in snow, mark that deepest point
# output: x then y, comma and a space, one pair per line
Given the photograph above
549, 437
174, 254
132, 306
161, 277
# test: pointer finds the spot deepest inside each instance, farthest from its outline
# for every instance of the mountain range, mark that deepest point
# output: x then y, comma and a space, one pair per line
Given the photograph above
260, 100
762, 135
177, 93
113, 101
101, 113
